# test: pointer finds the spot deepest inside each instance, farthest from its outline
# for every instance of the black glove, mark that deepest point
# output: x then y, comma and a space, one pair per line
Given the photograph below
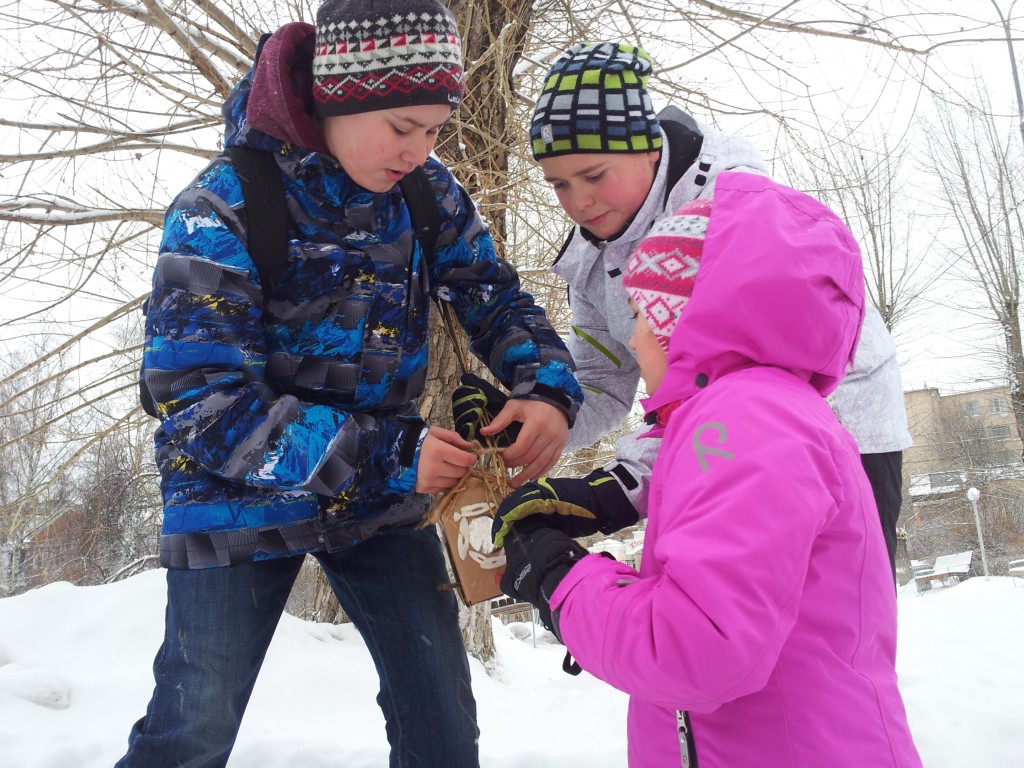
536, 561
577, 506
475, 403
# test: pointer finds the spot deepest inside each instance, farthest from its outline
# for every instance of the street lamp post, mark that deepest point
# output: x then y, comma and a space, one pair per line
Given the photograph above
973, 494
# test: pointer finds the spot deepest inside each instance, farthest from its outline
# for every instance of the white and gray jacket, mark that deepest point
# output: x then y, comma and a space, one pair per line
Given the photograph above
601, 321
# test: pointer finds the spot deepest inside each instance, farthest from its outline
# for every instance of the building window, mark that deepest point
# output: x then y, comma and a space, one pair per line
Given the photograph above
1001, 432
971, 408
975, 433
997, 405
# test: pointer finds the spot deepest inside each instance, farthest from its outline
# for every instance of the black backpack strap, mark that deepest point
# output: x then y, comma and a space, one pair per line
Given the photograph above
146, 399
266, 212
423, 211
565, 246
425, 217
683, 149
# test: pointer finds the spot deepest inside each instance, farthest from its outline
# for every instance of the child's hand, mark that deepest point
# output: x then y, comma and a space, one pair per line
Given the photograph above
541, 439
576, 506
535, 564
445, 458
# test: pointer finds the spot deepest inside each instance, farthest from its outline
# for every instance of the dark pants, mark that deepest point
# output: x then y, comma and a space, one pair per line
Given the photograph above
885, 472
220, 621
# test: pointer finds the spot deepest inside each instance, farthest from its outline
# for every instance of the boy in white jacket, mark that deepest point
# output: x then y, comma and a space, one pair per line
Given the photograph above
617, 169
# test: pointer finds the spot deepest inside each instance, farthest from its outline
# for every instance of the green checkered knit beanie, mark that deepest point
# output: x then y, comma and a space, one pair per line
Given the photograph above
595, 99
383, 54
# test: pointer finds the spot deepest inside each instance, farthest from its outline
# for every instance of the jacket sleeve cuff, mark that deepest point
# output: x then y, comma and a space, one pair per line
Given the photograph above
555, 384
596, 563
558, 399
403, 479
601, 564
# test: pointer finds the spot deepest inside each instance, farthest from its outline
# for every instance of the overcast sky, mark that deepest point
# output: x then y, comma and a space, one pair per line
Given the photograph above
948, 340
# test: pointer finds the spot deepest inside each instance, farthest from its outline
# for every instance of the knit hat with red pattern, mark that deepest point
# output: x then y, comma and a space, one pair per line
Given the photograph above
382, 54
662, 270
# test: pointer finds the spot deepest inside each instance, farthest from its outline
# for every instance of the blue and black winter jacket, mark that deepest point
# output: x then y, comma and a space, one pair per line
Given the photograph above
290, 427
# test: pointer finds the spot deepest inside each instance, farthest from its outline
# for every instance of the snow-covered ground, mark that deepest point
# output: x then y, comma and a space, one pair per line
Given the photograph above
75, 674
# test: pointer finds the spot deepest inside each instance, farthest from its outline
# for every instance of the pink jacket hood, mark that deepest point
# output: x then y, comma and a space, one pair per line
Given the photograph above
780, 284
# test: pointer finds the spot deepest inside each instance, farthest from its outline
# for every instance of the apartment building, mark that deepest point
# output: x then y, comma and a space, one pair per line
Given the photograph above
962, 440
959, 440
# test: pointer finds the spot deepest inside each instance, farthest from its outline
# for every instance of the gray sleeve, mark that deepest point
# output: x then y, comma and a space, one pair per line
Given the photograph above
634, 457
869, 400
608, 373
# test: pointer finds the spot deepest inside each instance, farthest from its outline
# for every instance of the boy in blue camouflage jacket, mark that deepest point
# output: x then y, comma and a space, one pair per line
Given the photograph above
287, 416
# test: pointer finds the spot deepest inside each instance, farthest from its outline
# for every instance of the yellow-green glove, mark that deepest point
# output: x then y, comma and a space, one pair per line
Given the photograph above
577, 506
475, 403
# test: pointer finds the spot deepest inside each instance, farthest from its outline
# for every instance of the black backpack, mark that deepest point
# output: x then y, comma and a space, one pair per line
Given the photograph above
267, 218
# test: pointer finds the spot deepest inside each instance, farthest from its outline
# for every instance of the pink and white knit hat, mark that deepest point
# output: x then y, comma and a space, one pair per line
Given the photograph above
661, 272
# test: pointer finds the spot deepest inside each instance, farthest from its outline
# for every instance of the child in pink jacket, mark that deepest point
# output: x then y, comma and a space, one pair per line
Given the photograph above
761, 628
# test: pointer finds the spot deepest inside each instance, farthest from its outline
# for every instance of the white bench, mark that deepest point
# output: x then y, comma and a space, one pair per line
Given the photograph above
508, 610
946, 567
1016, 568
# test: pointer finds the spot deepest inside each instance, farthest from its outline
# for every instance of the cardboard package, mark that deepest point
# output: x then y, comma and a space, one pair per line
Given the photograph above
465, 514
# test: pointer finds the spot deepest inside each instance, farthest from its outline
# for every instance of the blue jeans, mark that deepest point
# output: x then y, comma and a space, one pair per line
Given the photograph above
220, 621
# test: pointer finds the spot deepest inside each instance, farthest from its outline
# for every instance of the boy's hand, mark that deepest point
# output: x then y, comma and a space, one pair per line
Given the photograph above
445, 458
541, 439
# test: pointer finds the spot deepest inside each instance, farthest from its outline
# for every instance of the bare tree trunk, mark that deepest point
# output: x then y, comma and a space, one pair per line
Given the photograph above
476, 144
325, 604
435, 405
1015, 364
